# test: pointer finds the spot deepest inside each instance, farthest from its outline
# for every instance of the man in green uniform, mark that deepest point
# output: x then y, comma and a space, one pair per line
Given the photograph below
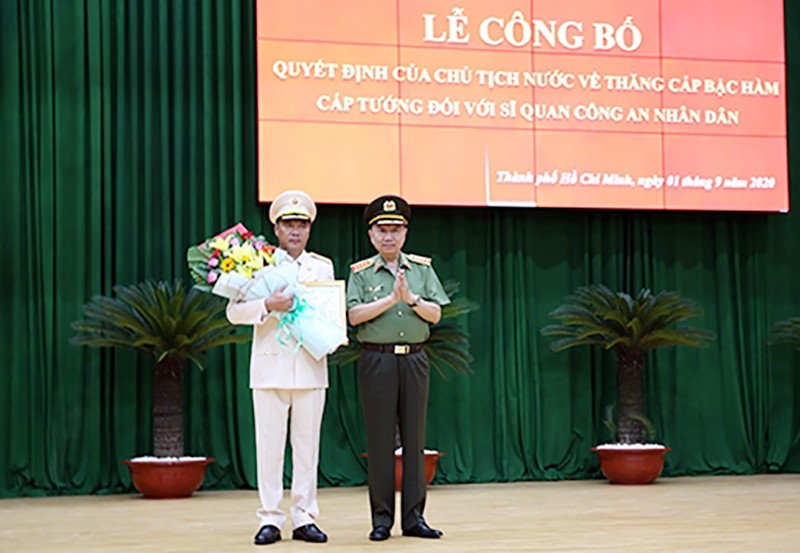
392, 299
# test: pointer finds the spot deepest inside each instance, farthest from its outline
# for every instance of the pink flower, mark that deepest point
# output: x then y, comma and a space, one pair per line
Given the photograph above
213, 262
212, 277
258, 244
235, 241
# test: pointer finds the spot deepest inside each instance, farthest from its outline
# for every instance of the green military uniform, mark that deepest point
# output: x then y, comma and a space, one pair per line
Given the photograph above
370, 280
393, 379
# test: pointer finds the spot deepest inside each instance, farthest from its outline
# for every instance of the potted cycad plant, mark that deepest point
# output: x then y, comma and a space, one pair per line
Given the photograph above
447, 349
173, 325
632, 327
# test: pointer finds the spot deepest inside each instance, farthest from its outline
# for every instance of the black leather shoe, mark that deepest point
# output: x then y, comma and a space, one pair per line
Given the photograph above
267, 535
309, 533
422, 530
379, 533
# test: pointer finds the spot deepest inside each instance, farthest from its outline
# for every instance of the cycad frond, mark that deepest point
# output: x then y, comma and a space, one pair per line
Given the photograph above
594, 315
448, 348
158, 318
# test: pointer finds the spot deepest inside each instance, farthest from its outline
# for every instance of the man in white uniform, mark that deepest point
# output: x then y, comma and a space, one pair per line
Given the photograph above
286, 383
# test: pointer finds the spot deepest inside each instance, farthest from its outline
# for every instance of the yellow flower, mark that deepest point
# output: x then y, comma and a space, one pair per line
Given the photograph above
235, 253
220, 243
244, 270
255, 263
241, 254
227, 264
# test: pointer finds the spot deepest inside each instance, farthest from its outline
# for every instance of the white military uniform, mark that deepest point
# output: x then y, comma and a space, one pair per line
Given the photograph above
286, 384
283, 382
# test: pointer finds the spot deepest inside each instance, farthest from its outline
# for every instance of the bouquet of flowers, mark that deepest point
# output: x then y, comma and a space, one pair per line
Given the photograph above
239, 264
224, 263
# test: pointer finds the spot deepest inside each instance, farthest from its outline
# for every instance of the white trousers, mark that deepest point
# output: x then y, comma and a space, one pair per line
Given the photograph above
303, 408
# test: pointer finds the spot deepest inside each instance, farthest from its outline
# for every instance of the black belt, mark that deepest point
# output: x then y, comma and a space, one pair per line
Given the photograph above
397, 349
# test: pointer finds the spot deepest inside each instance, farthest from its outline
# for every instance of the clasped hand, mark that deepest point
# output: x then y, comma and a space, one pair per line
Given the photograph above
401, 291
279, 300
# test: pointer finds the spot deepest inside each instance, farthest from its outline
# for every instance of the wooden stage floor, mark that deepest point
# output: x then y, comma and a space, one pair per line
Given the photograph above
718, 514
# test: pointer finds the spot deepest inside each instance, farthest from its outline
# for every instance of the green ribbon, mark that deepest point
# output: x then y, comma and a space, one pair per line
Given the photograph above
286, 331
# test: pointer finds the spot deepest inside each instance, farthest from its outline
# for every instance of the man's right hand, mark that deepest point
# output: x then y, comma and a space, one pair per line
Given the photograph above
279, 300
400, 288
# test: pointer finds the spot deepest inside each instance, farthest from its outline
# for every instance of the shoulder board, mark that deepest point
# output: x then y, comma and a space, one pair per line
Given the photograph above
419, 259
319, 257
361, 265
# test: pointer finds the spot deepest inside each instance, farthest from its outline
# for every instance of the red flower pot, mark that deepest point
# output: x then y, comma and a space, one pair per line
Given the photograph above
628, 465
431, 462
168, 478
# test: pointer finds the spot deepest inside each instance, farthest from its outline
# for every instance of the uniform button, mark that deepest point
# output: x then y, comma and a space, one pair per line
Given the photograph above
399, 313
402, 334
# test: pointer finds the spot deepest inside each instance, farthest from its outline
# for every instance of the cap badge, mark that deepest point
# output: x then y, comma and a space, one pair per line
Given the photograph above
389, 205
295, 200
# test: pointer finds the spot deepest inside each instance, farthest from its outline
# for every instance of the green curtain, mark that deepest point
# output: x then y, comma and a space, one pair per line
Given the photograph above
128, 133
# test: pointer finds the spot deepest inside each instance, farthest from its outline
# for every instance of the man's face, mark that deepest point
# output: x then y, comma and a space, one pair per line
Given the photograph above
293, 235
388, 239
